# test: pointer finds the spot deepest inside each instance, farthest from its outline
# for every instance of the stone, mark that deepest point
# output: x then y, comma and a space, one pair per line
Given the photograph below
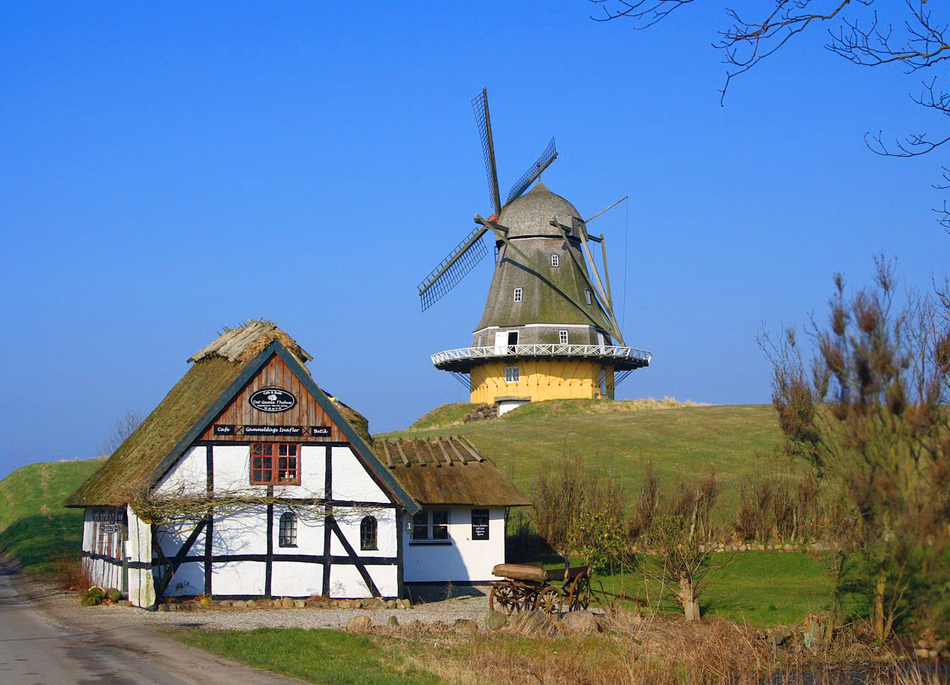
163, 607
124, 603
922, 653
404, 603
378, 604
358, 624
393, 622
250, 604
299, 604
579, 623
239, 604
173, 607
532, 623
495, 620
204, 601
286, 603
365, 603
390, 604
465, 625
778, 638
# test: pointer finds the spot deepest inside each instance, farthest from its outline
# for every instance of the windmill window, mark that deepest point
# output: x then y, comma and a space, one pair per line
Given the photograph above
518, 294
275, 464
287, 536
587, 295
555, 260
512, 374
368, 528
562, 337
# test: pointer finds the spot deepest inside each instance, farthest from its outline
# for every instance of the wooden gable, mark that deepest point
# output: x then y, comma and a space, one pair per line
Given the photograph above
306, 414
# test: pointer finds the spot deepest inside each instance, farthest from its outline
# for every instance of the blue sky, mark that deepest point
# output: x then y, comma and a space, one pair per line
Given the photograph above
170, 168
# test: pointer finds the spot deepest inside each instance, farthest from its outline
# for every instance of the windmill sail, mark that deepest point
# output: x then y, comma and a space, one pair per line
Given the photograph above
483, 119
528, 177
453, 268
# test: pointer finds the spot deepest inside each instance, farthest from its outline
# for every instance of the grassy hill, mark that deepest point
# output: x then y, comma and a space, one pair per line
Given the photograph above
617, 438
34, 526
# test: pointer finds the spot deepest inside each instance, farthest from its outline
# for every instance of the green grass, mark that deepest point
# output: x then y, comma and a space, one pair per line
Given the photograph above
763, 589
445, 415
317, 656
34, 526
617, 439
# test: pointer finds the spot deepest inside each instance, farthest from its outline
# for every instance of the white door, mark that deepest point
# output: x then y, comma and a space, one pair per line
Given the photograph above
500, 342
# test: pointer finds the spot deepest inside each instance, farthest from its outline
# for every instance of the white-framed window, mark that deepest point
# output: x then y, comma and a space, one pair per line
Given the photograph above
518, 294
555, 260
562, 337
430, 526
368, 528
587, 295
512, 374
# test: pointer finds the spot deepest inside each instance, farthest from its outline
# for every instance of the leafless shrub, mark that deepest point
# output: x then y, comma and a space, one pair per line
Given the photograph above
122, 428
71, 574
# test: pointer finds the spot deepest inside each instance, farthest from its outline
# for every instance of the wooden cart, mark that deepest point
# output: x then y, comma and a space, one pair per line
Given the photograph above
527, 587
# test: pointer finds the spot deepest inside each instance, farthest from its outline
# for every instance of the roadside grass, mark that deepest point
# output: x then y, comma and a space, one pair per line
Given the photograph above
317, 656
35, 528
618, 439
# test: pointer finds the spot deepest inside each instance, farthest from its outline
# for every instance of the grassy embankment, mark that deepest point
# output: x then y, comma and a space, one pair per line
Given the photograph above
34, 526
683, 443
617, 439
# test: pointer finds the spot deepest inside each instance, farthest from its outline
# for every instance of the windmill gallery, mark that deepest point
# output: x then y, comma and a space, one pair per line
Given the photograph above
248, 480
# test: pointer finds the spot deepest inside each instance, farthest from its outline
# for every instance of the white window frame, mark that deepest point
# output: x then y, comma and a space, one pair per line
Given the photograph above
429, 539
519, 294
555, 260
562, 337
587, 296
512, 374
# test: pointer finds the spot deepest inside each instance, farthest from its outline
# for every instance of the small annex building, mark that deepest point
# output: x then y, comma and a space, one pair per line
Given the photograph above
250, 481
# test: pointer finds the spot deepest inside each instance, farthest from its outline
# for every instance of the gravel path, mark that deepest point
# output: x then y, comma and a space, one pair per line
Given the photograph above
63, 608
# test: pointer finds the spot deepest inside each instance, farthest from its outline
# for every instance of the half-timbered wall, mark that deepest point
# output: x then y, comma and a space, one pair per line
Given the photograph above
103, 536
242, 555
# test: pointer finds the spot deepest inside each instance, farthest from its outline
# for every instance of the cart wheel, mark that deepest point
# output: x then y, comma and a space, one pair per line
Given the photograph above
548, 601
580, 594
502, 598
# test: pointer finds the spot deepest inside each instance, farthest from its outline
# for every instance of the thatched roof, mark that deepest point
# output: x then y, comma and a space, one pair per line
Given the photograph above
219, 371
443, 471
243, 342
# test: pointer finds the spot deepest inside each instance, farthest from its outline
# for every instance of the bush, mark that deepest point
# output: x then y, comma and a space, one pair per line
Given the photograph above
70, 573
113, 595
92, 596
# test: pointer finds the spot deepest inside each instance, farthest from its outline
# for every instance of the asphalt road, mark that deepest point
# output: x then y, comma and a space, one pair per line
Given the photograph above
33, 650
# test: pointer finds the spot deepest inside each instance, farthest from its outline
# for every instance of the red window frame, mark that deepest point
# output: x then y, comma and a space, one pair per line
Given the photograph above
275, 463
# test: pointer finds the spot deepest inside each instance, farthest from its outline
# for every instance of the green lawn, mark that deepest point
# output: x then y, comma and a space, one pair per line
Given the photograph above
34, 526
617, 439
317, 656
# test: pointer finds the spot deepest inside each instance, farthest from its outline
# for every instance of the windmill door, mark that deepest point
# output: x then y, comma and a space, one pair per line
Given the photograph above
500, 340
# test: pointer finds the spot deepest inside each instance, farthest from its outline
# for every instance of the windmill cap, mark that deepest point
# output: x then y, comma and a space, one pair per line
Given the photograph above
531, 214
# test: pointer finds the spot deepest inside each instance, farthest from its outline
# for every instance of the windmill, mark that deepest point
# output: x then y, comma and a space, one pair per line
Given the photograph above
548, 327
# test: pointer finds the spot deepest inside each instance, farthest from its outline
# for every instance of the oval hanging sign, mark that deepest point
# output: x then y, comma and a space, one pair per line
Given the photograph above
272, 400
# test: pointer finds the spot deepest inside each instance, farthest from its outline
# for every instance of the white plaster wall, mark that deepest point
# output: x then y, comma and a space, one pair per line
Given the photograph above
295, 579
309, 532
189, 580
349, 522
171, 536
189, 475
346, 581
351, 482
238, 578
240, 533
463, 560
232, 464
